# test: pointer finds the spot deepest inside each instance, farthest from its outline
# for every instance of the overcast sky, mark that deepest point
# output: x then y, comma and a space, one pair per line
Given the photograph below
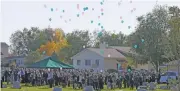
15, 15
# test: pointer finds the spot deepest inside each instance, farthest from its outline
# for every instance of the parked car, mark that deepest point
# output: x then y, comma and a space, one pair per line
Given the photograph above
169, 74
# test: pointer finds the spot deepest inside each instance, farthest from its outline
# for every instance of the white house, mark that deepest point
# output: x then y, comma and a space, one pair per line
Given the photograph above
98, 58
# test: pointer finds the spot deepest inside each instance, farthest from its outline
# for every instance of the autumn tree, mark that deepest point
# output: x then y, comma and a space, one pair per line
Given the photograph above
55, 43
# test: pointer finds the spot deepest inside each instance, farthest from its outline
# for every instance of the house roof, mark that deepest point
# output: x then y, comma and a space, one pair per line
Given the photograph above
4, 44
123, 49
105, 52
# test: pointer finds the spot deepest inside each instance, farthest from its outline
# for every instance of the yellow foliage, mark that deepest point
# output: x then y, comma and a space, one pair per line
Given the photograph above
55, 45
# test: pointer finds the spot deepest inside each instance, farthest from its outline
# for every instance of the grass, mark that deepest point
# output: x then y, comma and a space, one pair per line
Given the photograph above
45, 88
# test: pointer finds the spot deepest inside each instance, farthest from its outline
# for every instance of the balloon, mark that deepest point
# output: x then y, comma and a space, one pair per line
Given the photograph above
45, 6
77, 15
50, 19
77, 6
51, 9
129, 27
102, 13
122, 21
131, 11
109, 55
98, 16
92, 8
135, 46
131, 1
99, 24
120, 17
65, 21
102, 10
99, 34
63, 11
44, 52
91, 21
142, 40
101, 3
85, 8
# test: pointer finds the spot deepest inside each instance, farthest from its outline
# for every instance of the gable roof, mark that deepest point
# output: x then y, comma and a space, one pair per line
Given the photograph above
112, 52
123, 49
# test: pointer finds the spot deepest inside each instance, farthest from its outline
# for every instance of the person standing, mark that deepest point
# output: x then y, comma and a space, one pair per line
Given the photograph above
50, 78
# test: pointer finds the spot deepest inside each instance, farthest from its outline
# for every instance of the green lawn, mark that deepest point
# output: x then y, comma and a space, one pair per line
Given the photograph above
45, 88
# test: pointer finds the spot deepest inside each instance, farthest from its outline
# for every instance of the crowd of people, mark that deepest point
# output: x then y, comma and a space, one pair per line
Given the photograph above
79, 78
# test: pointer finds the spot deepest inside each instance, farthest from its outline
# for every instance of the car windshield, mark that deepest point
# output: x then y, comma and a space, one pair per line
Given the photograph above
169, 74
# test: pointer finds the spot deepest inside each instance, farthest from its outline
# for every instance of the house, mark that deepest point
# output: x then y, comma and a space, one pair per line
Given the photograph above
128, 51
14, 60
102, 58
4, 50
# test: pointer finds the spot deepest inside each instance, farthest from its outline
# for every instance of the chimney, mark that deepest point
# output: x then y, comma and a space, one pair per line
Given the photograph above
103, 45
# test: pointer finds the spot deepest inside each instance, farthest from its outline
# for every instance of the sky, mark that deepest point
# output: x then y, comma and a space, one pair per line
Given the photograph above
19, 14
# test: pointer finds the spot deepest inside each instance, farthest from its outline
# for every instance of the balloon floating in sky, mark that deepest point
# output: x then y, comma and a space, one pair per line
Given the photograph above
63, 11
120, 17
77, 15
101, 3
91, 21
142, 40
98, 17
50, 19
77, 6
45, 6
135, 46
122, 21
44, 52
131, 1
99, 34
51, 9
65, 21
85, 8
99, 24
92, 8
102, 10
129, 27
102, 13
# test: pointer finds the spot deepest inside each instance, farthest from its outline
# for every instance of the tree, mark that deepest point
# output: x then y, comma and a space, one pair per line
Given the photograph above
112, 39
76, 40
153, 29
33, 57
21, 40
174, 33
55, 44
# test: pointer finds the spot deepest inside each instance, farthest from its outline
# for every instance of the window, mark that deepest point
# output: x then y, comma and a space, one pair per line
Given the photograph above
87, 62
78, 62
97, 62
